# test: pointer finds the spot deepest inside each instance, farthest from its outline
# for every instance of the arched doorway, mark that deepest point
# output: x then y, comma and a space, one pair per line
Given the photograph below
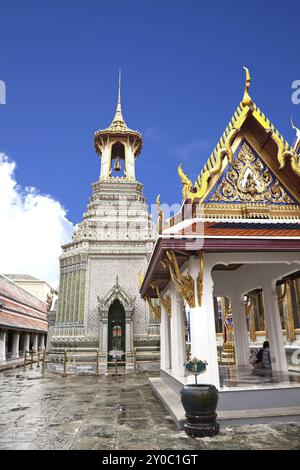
116, 317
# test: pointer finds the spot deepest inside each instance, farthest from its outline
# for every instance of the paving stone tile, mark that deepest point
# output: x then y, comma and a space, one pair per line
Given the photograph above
87, 412
98, 430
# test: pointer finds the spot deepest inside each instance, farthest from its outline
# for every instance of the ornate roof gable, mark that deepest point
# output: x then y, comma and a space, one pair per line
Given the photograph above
248, 180
248, 121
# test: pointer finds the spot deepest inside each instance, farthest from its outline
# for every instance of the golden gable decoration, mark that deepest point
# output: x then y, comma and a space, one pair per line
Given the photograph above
223, 151
249, 180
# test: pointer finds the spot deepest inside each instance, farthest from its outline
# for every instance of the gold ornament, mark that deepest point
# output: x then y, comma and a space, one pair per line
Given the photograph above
165, 301
249, 180
183, 282
247, 101
160, 214
140, 279
186, 182
200, 281
155, 309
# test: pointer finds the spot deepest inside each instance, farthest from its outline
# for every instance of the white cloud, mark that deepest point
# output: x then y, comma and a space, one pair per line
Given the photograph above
33, 228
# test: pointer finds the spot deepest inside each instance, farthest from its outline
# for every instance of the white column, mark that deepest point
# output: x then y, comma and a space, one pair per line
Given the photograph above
42, 341
103, 342
165, 351
241, 340
15, 346
2, 346
128, 336
177, 334
35, 342
129, 163
203, 329
129, 343
26, 341
273, 326
104, 336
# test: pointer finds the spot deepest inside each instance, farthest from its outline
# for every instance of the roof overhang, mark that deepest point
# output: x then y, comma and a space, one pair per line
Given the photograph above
185, 247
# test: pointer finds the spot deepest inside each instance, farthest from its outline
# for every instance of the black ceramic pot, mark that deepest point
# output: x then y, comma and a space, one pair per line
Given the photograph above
200, 403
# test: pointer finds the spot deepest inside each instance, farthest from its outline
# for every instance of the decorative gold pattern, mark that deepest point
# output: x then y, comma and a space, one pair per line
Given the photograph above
186, 182
247, 101
249, 180
246, 107
201, 184
155, 309
249, 309
160, 214
165, 301
183, 282
228, 349
140, 279
200, 281
286, 300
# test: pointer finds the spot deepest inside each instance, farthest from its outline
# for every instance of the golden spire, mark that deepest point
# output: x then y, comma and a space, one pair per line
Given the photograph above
118, 120
247, 101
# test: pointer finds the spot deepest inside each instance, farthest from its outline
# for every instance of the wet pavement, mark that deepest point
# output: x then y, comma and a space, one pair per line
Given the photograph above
88, 412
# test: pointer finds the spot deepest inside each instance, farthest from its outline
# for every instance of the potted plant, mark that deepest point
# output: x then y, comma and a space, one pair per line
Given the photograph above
200, 403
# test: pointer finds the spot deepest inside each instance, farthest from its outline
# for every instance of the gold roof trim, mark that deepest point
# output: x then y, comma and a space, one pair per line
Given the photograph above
223, 148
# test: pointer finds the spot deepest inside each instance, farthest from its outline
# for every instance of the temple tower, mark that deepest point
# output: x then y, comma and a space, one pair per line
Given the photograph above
99, 268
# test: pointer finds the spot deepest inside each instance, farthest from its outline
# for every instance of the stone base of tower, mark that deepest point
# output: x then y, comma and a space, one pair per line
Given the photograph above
99, 274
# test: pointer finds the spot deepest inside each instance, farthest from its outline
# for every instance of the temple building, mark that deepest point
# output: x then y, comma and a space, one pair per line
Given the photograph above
99, 268
230, 259
23, 320
41, 289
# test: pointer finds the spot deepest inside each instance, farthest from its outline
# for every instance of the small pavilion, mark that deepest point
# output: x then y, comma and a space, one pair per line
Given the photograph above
237, 233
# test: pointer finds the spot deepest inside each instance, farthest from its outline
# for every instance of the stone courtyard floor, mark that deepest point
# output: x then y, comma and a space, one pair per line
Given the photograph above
88, 412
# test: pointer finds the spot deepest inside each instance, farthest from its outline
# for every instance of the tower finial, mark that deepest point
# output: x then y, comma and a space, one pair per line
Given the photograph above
119, 89
247, 101
118, 116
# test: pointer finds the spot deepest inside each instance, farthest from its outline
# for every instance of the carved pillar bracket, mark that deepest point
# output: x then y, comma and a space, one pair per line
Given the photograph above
164, 301
155, 309
184, 283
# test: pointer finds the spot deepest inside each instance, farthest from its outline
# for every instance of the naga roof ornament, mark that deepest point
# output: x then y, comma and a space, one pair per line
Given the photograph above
223, 153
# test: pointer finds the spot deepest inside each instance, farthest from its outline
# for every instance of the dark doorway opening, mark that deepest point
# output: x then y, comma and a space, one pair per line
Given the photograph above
116, 321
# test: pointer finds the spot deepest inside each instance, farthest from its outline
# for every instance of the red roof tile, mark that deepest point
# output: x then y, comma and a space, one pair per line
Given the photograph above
239, 229
19, 321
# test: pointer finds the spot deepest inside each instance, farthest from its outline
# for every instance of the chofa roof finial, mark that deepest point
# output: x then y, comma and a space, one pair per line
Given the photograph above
247, 101
296, 143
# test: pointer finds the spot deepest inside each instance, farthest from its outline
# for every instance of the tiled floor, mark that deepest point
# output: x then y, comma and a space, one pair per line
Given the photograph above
88, 412
230, 376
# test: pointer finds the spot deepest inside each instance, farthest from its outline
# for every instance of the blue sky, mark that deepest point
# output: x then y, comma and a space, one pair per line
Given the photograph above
182, 78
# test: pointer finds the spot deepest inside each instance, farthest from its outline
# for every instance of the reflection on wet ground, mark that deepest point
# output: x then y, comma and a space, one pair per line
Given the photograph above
88, 412
231, 376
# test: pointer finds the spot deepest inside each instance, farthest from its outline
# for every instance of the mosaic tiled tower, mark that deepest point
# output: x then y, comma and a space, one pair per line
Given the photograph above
99, 268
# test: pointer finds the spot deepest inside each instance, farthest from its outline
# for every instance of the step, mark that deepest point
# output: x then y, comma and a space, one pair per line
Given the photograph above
147, 348
147, 358
172, 402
